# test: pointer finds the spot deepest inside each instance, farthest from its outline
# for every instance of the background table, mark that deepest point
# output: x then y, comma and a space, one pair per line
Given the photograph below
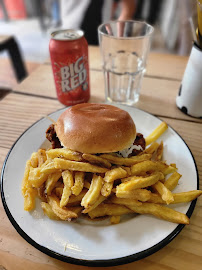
35, 97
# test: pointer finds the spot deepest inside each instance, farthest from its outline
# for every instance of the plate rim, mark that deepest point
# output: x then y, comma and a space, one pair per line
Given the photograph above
95, 263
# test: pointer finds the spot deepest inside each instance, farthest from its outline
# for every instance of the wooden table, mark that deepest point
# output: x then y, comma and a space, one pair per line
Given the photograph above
35, 97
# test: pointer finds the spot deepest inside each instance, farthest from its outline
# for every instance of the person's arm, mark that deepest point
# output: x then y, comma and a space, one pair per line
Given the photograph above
127, 9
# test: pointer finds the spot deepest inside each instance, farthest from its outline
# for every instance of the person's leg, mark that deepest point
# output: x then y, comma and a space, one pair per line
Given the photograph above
138, 12
154, 8
92, 20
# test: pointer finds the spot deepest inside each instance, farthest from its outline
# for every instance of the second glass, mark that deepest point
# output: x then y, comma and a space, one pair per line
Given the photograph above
124, 47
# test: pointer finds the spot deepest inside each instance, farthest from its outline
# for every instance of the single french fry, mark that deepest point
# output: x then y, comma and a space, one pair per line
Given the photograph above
93, 192
68, 184
157, 156
107, 189
46, 162
148, 166
165, 193
97, 160
109, 210
41, 192
125, 161
75, 209
186, 196
49, 168
64, 153
63, 213
93, 206
78, 183
59, 191
181, 197
169, 169
65, 196
124, 201
136, 182
77, 166
41, 157
29, 199
34, 160
127, 169
68, 178
25, 181
142, 195
172, 181
114, 174
86, 184
156, 198
51, 181
115, 219
161, 212
152, 148
59, 184
33, 173
48, 211
76, 200
156, 133
160, 151
173, 165
36, 178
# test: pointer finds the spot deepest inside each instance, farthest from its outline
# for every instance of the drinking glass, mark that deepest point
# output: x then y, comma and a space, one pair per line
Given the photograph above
124, 48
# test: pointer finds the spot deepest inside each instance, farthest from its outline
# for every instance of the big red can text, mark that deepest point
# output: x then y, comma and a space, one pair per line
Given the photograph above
73, 75
69, 59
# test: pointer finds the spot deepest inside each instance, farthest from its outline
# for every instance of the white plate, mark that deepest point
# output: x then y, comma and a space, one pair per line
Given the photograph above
86, 242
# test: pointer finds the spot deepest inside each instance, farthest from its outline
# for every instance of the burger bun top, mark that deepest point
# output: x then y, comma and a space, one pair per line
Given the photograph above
95, 128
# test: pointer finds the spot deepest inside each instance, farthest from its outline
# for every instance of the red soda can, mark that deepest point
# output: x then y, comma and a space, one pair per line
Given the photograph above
69, 59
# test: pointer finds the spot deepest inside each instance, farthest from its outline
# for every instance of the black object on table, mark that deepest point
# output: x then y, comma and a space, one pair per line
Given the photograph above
11, 46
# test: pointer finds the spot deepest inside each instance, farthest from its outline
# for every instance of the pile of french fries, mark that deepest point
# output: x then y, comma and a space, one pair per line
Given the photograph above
71, 184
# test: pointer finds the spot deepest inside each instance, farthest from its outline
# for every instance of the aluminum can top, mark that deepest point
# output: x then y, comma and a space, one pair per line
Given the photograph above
68, 34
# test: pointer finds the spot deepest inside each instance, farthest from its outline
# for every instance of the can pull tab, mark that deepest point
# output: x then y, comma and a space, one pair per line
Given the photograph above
70, 35
67, 34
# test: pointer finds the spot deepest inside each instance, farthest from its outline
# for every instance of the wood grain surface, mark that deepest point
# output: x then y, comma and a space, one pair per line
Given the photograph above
35, 97
41, 83
157, 96
159, 65
7, 75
